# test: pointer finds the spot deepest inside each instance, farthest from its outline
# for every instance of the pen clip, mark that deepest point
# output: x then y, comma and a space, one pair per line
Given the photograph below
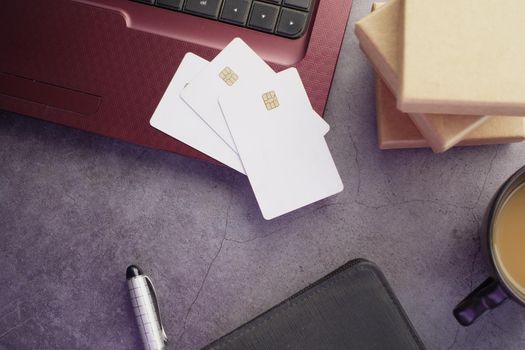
157, 310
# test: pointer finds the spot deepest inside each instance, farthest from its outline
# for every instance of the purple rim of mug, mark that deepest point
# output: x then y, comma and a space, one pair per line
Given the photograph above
502, 195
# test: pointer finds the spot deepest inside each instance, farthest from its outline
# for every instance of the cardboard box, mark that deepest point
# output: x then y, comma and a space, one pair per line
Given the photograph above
396, 130
463, 57
380, 36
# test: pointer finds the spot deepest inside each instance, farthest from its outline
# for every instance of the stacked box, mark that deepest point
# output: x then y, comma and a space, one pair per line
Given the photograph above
381, 39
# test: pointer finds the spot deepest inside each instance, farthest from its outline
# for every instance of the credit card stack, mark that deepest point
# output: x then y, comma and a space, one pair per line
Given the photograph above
446, 73
237, 110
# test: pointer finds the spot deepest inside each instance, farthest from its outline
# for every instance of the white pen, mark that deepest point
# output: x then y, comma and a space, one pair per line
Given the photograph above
146, 309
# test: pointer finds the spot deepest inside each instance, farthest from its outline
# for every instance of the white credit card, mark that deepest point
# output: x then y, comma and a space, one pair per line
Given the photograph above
175, 118
291, 78
283, 153
237, 66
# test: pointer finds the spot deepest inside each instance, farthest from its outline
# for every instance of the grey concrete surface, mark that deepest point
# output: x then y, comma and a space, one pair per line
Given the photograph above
76, 209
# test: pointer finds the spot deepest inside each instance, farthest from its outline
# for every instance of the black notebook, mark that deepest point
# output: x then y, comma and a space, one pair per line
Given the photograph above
351, 308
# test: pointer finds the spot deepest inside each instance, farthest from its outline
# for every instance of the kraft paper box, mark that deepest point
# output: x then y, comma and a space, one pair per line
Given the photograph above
380, 36
396, 129
463, 57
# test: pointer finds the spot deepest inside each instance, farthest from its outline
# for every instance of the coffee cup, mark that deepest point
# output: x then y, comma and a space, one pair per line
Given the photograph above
503, 241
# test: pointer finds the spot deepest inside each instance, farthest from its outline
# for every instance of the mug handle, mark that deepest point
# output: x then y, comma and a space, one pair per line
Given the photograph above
487, 296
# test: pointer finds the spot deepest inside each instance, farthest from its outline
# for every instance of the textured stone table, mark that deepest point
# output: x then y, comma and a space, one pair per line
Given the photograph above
76, 209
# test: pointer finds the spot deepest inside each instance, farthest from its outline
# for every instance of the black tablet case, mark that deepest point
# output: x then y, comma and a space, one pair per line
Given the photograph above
350, 308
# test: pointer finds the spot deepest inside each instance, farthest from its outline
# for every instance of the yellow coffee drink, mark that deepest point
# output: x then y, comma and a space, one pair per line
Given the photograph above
509, 240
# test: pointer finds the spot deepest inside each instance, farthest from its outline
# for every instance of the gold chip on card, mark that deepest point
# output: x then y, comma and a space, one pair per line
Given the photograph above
228, 76
270, 100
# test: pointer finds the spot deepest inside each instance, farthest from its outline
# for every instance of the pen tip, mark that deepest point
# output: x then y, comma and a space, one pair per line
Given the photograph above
133, 271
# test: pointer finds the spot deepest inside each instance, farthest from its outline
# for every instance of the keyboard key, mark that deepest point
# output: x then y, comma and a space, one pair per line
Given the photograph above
263, 16
205, 8
170, 4
236, 11
291, 23
288, 18
300, 4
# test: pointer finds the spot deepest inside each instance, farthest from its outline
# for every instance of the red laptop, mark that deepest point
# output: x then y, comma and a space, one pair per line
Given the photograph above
103, 65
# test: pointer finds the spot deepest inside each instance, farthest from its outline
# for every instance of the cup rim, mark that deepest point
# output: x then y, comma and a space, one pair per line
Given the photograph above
500, 198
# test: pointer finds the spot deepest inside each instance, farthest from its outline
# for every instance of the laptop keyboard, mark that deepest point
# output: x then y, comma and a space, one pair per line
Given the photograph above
288, 18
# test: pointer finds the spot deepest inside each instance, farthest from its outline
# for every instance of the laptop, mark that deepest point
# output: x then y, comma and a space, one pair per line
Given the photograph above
103, 65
